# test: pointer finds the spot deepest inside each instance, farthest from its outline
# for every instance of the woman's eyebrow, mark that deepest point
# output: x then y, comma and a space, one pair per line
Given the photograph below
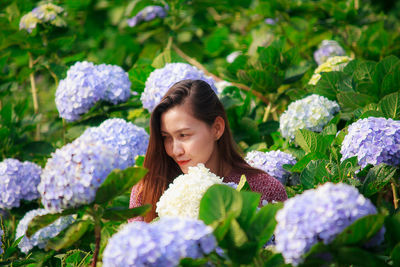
177, 131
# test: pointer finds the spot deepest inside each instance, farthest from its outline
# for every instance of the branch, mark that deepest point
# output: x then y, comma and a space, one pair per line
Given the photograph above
197, 64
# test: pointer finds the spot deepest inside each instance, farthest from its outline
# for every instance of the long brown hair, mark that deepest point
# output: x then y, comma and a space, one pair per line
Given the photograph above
162, 168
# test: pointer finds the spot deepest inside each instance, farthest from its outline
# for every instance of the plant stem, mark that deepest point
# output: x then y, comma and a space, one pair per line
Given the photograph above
34, 94
395, 196
197, 64
97, 234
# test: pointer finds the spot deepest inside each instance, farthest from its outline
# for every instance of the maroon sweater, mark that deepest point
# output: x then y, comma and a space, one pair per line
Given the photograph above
269, 188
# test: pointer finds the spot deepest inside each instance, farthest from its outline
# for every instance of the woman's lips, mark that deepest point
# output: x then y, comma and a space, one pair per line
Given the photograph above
183, 162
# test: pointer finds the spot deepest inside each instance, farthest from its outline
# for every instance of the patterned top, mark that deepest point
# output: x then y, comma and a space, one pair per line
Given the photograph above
269, 188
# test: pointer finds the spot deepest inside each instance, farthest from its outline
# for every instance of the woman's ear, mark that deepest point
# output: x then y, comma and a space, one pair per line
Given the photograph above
218, 127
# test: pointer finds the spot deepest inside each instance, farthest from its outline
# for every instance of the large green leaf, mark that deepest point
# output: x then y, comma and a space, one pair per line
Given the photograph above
395, 255
118, 182
250, 204
124, 213
218, 203
311, 142
328, 85
392, 225
361, 231
350, 101
390, 106
214, 42
353, 256
314, 173
377, 178
167, 56
303, 162
69, 236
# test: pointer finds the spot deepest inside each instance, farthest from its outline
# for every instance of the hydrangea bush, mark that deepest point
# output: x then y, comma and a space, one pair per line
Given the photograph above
327, 49
18, 181
183, 195
311, 113
271, 162
129, 139
86, 84
373, 141
335, 63
318, 215
85, 165
160, 80
162, 243
147, 14
42, 236
46, 12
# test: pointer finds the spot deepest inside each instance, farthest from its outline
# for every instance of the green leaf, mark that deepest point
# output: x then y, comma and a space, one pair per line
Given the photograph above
349, 101
118, 182
214, 43
377, 178
250, 204
392, 225
390, 106
263, 224
311, 142
237, 234
69, 236
243, 185
328, 85
38, 148
395, 255
42, 221
353, 256
360, 232
123, 213
303, 162
167, 56
314, 173
384, 74
6, 113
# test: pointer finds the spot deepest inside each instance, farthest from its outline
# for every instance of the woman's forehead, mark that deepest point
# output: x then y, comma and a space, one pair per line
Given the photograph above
178, 118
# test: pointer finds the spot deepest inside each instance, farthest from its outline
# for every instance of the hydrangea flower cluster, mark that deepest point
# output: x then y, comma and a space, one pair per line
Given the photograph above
87, 84
373, 141
129, 139
85, 165
42, 236
270, 21
327, 49
271, 162
160, 80
147, 14
335, 63
162, 243
318, 215
18, 181
312, 113
183, 195
41, 14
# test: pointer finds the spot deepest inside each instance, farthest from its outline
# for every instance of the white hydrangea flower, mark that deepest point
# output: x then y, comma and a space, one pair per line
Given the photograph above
182, 198
332, 64
311, 113
232, 56
221, 85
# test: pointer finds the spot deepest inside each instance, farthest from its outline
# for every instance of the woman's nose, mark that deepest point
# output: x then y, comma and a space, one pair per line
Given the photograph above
178, 148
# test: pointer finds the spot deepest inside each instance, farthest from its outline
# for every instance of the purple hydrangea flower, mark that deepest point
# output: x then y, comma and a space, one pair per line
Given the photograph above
18, 181
42, 236
117, 83
270, 21
162, 243
129, 139
87, 84
373, 141
327, 49
74, 172
271, 162
79, 91
147, 14
318, 215
160, 80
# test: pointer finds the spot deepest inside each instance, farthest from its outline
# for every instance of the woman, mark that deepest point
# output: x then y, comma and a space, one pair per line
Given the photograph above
189, 126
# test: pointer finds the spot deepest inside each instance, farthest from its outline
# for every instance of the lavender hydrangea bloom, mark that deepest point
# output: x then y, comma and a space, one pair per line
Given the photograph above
85, 164
117, 83
271, 162
160, 80
270, 21
373, 141
318, 215
162, 243
327, 49
129, 139
147, 14
311, 113
41, 14
41, 237
18, 181
79, 91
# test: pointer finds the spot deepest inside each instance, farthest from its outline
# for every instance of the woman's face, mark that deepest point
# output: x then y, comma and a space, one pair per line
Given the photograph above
189, 141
